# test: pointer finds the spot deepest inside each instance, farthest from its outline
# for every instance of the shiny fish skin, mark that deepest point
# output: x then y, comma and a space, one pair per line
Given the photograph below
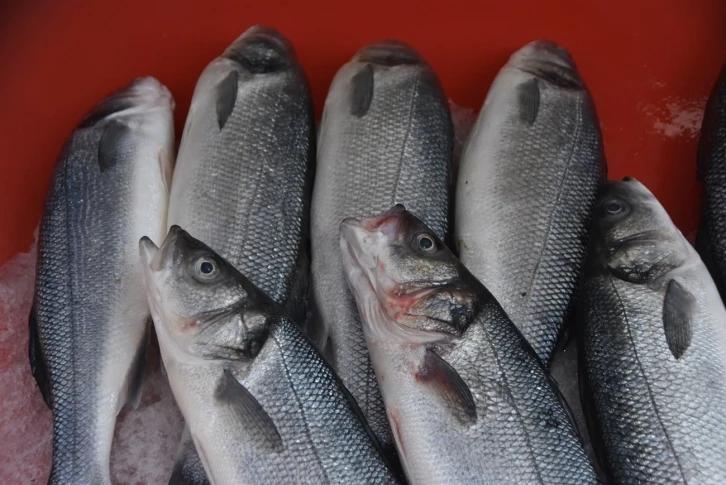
90, 320
526, 187
386, 137
468, 400
654, 347
711, 240
261, 404
245, 188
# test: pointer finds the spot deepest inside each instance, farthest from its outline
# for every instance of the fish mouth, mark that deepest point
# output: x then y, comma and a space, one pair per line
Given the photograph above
261, 50
549, 62
143, 94
388, 52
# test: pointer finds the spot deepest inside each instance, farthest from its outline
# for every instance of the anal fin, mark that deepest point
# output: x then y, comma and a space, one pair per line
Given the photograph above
37, 361
135, 378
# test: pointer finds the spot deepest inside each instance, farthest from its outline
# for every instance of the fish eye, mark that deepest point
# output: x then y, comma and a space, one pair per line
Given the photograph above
206, 268
426, 243
615, 207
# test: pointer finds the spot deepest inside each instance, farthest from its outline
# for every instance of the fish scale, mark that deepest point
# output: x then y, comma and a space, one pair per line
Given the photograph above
244, 187
395, 150
527, 182
89, 316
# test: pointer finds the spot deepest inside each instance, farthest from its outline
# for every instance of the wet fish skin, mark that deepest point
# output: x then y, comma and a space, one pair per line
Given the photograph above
89, 325
261, 404
244, 175
385, 137
526, 187
653, 346
467, 398
711, 239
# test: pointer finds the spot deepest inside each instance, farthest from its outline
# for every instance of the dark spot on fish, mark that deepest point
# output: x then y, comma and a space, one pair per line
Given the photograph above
361, 92
226, 97
112, 145
529, 100
678, 309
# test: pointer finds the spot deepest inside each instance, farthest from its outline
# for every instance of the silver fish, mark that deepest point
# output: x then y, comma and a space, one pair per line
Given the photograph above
243, 178
654, 346
386, 137
261, 404
526, 187
467, 398
89, 327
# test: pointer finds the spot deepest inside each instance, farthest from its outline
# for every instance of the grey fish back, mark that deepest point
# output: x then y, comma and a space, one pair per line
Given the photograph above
386, 137
89, 326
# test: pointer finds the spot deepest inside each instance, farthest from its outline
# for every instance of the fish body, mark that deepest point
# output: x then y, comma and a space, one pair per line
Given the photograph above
653, 346
711, 239
467, 398
89, 326
386, 137
261, 404
243, 178
526, 187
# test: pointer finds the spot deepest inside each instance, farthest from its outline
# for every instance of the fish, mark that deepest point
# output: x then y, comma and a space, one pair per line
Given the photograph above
385, 137
526, 188
89, 324
261, 403
467, 398
711, 236
244, 174
653, 346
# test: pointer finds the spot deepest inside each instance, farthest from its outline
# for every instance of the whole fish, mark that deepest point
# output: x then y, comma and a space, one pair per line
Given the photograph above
467, 398
244, 175
89, 326
653, 347
261, 404
711, 239
386, 137
526, 187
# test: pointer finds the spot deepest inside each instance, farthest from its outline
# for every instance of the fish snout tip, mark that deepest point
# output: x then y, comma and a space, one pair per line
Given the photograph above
388, 52
261, 50
148, 251
548, 61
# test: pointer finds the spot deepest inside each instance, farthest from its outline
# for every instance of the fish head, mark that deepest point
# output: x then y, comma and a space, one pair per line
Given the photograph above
200, 303
549, 63
632, 236
407, 283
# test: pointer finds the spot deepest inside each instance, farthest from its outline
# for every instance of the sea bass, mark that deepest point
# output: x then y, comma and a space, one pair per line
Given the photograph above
467, 398
89, 326
653, 346
386, 137
711, 240
261, 404
526, 187
243, 177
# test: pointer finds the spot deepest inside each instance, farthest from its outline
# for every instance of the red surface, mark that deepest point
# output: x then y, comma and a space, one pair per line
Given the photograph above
649, 64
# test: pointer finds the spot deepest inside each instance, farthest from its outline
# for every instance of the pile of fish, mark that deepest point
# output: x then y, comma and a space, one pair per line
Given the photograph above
352, 306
